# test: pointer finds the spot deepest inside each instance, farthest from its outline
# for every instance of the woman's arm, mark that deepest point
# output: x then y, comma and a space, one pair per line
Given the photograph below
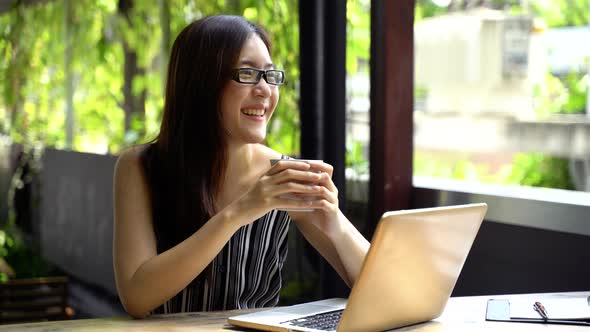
345, 250
146, 279
331, 233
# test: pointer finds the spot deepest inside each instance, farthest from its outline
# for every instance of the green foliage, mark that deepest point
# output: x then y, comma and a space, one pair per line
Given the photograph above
358, 34
562, 13
539, 170
577, 86
556, 13
526, 169
427, 8
550, 97
32, 68
448, 165
560, 96
355, 159
5, 245
31, 81
21, 256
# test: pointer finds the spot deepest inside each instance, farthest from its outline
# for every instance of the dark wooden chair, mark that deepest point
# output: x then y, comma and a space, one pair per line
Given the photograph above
36, 299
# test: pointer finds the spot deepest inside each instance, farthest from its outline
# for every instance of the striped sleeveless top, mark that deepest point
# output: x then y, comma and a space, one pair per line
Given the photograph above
245, 274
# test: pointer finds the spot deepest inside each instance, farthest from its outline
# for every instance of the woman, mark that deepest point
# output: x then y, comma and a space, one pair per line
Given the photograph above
199, 220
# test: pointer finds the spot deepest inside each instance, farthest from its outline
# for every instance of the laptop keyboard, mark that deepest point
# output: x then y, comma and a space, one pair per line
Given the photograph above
326, 321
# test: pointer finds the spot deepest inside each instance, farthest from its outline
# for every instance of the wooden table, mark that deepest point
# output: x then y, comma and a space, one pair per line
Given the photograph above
461, 314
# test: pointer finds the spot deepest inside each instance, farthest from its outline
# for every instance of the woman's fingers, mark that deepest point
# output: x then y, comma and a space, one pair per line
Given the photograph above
322, 204
327, 198
296, 184
329, 195
319, 198
321, 167
282, 165
286, 203
296, 188
322, 200
326, 181
296, 175
306, 181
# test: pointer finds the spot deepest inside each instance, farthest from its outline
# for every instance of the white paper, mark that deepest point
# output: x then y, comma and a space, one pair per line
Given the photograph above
570, 308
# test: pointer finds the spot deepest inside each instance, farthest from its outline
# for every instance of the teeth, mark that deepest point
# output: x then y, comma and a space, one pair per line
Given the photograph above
256, 112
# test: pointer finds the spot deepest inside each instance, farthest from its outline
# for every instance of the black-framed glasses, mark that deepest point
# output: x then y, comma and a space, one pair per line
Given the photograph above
252, 76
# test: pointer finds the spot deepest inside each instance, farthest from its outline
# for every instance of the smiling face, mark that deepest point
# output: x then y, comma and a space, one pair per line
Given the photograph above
247, 108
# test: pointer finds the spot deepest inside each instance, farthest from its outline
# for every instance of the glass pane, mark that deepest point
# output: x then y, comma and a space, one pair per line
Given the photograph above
358, 32
357, 88
500, 93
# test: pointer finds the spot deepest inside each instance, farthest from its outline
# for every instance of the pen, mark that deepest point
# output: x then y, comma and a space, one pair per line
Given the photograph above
541, 310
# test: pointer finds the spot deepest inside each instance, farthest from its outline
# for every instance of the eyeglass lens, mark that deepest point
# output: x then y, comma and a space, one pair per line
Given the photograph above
248, 75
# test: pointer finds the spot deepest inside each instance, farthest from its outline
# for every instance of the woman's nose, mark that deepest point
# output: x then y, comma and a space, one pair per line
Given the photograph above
262, 88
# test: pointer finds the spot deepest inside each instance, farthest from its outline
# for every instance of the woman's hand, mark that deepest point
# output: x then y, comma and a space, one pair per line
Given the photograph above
326, 205
328, 230
285, 178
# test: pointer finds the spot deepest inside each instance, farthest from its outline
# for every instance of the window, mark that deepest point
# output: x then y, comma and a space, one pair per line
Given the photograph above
501, 93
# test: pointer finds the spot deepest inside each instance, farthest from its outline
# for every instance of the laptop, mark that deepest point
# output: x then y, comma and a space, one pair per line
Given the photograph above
407, 277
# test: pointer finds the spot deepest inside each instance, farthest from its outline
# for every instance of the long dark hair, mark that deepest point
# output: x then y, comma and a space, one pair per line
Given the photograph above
185, 165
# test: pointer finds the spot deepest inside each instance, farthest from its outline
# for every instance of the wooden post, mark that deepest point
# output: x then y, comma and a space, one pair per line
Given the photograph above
392, 103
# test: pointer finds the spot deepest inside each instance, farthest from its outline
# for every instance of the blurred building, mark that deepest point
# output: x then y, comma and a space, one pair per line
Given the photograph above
475, 71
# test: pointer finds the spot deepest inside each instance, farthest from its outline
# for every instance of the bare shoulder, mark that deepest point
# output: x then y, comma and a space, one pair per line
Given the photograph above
129, 161
129, 182
266, 153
